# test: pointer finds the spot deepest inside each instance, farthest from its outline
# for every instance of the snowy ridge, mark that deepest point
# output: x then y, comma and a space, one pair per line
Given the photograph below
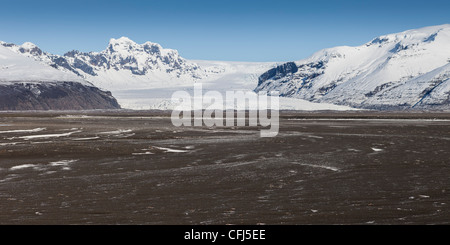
396, 71
17, 68
124, 64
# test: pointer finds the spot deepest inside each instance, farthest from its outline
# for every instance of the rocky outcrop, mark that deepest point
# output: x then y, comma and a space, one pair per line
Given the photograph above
278, 72
54, 96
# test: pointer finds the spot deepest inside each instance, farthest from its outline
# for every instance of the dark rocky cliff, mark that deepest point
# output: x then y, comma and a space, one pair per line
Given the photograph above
54, 96
278, 72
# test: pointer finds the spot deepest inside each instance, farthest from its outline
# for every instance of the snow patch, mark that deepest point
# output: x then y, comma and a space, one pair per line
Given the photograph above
23, 131
169, 149
144, 153
319, 166
23, 166
46, 136
377, 149
120, 131
89, 138
12, 143
62, 163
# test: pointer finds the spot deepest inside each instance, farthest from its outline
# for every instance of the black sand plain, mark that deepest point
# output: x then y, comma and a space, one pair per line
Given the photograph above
105, 167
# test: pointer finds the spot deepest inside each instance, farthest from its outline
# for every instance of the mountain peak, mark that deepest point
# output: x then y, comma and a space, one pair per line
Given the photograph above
122, 45
424, 34
29, 45
122, 39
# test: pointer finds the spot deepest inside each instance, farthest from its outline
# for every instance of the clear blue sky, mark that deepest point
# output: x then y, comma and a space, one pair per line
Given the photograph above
237, 30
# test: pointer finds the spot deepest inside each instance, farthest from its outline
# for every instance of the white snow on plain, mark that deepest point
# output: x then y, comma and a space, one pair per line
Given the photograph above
89, 138
73, 116
23, 166
10, 177
12, 143
41, 142
120, 131
62, 163
169, 149
143, 153
46, 136
23, 131
318, 166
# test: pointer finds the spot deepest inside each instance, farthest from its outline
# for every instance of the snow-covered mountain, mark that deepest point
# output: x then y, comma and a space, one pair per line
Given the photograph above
144, 76
405, 70
397, 71
27, 84
124, 64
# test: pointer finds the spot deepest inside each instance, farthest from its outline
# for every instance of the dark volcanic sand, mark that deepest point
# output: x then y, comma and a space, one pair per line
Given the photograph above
136, 168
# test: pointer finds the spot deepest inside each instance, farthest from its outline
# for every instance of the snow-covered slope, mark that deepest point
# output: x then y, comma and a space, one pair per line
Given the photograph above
14, 68
26, 84
397, 71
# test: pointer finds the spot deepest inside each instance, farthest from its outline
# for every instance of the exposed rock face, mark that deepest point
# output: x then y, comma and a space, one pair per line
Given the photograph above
278, 72
54, 96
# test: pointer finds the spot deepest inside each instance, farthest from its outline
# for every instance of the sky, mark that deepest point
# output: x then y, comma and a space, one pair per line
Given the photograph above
229, 30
